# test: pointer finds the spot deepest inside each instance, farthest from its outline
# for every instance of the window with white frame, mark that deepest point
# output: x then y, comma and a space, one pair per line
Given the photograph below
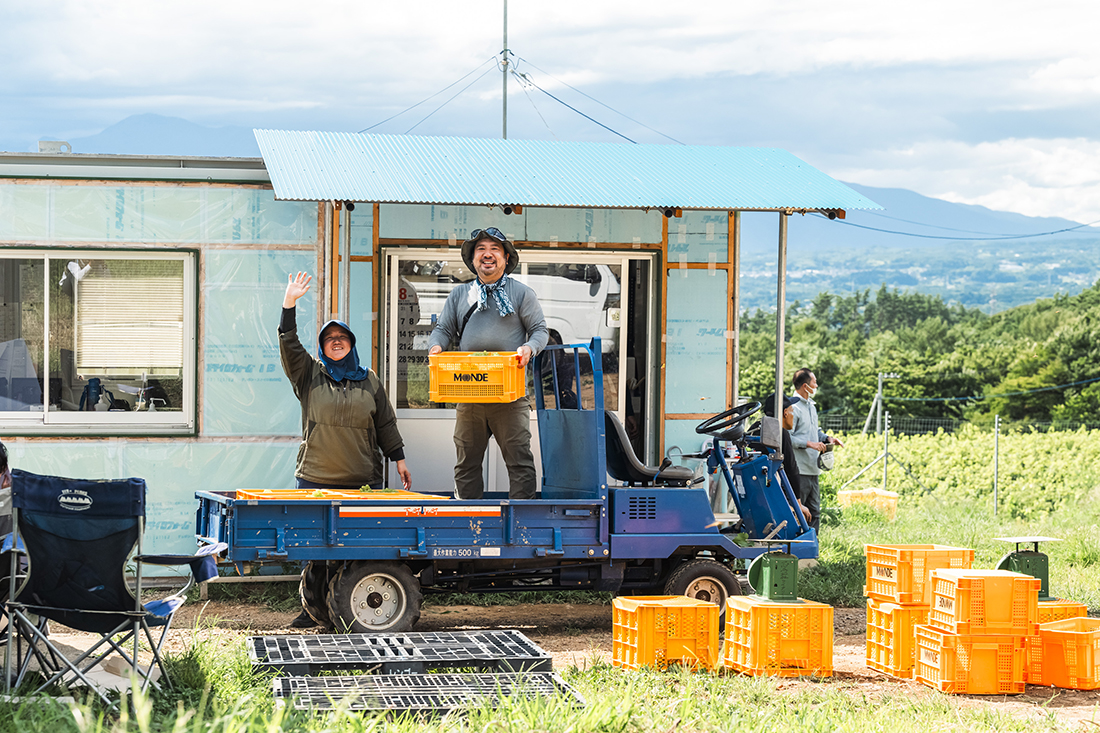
97, 341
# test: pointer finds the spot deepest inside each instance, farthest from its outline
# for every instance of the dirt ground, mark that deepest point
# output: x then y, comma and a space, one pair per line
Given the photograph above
580, 635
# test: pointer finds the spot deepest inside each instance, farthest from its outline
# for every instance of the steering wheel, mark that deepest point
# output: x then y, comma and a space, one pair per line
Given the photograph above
724, 426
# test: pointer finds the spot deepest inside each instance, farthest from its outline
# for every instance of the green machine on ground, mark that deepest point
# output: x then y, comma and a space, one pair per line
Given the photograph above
1029, 562
774, 575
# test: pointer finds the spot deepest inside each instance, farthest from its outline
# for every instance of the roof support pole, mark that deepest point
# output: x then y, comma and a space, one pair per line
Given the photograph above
735, 305
345, 273
334, 261
780, 313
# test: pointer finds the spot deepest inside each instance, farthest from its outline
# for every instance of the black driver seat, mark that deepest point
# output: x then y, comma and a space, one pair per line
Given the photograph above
624, 466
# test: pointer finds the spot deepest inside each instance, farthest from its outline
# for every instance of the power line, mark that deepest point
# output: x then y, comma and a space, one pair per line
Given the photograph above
582, 114
963, 239
422, 101
523, 85
990, 396
933, 226
578, 91
460, 91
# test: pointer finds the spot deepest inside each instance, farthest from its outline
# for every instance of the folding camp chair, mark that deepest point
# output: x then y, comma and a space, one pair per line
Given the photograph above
78, 537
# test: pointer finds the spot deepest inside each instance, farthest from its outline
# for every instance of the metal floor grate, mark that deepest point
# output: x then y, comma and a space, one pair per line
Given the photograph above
439, 693
408, 653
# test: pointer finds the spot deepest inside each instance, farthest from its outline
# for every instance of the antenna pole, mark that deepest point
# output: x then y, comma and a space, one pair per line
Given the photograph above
504, 77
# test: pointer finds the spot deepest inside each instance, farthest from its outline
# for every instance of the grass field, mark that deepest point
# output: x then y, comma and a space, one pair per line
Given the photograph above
217, 692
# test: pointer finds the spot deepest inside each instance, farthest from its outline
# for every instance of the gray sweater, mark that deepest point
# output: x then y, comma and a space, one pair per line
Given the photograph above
486, 330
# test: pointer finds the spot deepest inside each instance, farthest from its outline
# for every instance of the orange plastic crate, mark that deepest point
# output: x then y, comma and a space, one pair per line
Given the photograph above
891, 639
899, 573
765, 637
1056, 609
1066, 654
991, 664
470, 376
655, 631
985, 602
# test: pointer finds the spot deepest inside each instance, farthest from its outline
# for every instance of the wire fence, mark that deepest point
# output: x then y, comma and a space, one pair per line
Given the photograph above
924, 425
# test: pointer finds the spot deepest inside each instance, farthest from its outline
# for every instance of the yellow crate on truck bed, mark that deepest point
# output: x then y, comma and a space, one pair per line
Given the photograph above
472, 376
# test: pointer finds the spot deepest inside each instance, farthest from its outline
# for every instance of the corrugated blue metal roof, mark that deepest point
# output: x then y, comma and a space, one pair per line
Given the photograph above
321, 166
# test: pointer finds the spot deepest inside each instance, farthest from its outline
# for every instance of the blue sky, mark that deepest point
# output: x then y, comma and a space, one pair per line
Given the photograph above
991, 103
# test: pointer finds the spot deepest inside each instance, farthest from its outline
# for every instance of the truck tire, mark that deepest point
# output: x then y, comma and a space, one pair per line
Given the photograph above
705, 580
313, 590
373, 596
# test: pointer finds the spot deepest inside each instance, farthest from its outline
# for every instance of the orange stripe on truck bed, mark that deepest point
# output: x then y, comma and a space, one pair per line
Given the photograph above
420, 511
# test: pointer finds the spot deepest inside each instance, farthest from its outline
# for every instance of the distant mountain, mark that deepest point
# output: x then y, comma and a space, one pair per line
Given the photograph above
924, 223
151, 134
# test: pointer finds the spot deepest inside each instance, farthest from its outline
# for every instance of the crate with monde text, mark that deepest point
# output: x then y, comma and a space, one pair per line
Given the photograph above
1066, 654
985, 602
891, 636
900, 573
471, 376
655, 631
765, 637
968, 664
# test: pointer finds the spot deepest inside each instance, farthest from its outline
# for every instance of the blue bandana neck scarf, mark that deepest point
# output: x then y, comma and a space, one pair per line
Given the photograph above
500, 295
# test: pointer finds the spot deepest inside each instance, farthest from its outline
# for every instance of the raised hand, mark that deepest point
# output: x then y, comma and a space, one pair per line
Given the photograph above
296, 287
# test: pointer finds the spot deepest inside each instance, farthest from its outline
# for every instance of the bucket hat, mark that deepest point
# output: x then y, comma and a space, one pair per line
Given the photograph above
497, 236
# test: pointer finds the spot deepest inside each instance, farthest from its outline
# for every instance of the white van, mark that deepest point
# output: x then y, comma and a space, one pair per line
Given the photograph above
578, 301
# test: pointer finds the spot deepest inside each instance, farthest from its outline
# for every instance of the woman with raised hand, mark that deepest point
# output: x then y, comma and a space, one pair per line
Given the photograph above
348, 423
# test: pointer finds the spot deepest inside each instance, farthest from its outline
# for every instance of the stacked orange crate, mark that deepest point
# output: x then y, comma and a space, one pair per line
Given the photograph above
1052, 609
975, 641
1068, 654
899, 592
655, 631
782, 639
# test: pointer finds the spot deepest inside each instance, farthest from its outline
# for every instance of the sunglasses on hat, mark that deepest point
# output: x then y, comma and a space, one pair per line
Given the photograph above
491, 232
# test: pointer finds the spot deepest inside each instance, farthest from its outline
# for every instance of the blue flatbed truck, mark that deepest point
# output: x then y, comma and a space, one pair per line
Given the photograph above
603, 521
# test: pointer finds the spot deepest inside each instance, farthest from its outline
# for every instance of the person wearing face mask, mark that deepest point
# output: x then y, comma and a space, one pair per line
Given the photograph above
790, 465
492, 313
809, 442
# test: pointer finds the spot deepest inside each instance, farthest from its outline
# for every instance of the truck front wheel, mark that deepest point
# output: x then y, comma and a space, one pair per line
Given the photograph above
705, 580
374, 596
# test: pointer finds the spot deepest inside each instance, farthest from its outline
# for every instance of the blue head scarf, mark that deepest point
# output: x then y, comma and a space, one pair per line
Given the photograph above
346, 368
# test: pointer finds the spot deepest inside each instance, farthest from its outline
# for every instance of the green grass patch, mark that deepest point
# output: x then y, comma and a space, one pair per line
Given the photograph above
931, 519
219, 696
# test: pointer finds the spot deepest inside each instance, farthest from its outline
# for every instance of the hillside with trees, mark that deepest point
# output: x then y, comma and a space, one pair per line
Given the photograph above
941, 352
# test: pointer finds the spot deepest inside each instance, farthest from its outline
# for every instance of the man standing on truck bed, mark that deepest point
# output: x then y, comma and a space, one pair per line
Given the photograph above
492, 313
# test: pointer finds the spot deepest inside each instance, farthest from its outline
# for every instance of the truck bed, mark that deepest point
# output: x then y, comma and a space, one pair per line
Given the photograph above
259, 530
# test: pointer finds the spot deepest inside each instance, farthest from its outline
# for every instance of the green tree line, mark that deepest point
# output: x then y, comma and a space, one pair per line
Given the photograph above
940, 351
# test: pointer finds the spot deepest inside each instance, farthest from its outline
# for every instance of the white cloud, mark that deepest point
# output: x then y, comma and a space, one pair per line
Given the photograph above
937, 66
